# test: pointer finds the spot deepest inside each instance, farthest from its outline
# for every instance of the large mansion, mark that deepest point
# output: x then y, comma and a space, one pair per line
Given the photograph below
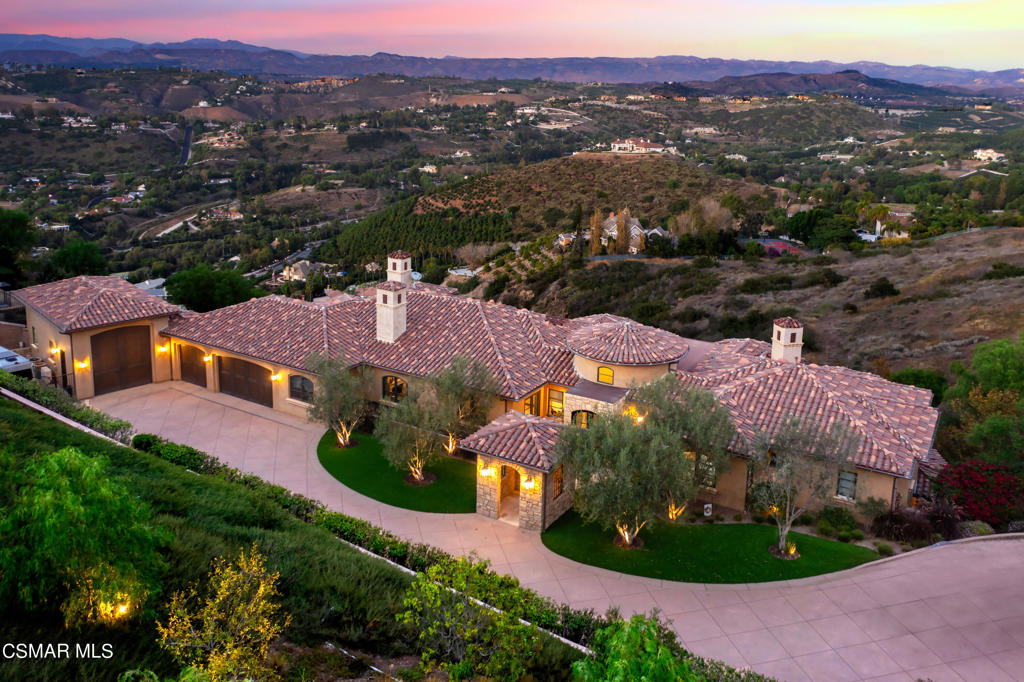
102, 334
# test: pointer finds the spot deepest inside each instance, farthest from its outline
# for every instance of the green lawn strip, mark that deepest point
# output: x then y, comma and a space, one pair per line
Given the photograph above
364, 469
702, 553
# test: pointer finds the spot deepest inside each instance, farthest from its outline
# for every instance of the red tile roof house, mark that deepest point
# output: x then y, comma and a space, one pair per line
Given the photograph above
551, 372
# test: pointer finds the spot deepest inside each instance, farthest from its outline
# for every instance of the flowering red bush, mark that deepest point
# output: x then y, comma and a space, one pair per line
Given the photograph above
992, 493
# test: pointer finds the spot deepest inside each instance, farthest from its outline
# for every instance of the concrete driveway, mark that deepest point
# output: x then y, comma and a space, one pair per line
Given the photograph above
950, 612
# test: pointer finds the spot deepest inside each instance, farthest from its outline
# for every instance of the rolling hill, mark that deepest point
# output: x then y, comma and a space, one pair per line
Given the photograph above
850, 83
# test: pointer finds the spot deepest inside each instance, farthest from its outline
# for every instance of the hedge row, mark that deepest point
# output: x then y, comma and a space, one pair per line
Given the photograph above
497, 590
59, 401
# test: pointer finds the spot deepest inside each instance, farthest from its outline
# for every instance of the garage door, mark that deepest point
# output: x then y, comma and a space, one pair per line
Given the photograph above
245, 380
193, 369
121, 358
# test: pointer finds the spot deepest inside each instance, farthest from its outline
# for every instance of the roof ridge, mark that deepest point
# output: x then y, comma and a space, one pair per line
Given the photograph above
494, 344
88, 306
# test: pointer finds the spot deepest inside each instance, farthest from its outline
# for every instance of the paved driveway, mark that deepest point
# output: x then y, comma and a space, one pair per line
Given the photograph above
952, 612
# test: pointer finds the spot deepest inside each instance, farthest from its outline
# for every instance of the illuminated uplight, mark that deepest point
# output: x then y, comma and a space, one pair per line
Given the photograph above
82, 364
791, 548
675, 511
207, 358
632, 412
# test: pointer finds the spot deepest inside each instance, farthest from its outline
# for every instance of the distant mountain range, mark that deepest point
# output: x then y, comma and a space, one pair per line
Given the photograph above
233, 56
848, 82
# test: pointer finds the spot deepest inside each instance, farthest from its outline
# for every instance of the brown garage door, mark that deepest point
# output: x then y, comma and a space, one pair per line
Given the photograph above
245, 380
193, 369
121, 359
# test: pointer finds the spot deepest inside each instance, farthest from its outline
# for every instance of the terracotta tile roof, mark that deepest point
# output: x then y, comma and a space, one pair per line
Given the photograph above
523, 350
788, 323
892, 423
391, 286
399, 254
627, 343
595, 391
517, 437
87, 302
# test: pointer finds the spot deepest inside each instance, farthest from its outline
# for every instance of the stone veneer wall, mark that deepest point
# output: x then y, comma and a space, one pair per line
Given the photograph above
554, 507
574, 403
489, 495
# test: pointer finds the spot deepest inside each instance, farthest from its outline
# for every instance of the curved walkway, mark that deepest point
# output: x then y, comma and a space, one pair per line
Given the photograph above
950, 612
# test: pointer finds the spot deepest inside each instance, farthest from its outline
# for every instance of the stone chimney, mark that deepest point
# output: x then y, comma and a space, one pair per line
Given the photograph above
391, 305
787, 339
400, 267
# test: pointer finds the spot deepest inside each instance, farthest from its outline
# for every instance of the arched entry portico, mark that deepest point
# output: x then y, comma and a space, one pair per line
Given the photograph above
509, 487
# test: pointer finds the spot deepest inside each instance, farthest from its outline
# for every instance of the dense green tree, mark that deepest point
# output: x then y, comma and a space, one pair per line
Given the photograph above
465, 391
339, 401
923, 378
203, 289
637, 649
79, 257
16, 237
74, 538
410, 432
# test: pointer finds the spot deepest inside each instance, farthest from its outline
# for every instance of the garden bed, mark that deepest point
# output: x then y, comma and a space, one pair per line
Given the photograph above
364, 469
702, 553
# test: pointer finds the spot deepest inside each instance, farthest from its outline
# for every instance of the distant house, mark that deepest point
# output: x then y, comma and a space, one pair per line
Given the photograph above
989, 155
298, 272
154, 287
429, 168
736, 157
636, 145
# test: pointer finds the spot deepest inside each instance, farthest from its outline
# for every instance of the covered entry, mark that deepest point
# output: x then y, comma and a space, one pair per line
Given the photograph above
193, 369
121, 358
244, 379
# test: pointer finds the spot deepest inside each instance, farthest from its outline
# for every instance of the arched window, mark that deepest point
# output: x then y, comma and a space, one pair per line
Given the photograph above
392, 388
582, 418
300, 388
605, 375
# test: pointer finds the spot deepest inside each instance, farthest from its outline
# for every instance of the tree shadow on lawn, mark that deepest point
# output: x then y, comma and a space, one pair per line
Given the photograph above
702, 553
363, 468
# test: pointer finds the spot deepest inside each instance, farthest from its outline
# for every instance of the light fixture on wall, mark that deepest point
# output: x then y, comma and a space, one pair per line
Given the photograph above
54, 350
487, 472
82, 364
164, 348
529, 483
276, 377
207, 358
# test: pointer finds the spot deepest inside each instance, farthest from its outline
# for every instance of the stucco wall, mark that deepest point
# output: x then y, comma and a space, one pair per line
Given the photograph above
13, 335
46, 335
623, 377
730, 490
161, 363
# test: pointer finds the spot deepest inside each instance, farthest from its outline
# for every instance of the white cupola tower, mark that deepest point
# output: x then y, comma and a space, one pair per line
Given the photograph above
787, 339
392, 300
400, 267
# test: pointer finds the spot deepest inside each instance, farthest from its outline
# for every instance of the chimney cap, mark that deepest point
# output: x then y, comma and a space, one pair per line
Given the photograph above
788, 323
391, 286
399, 254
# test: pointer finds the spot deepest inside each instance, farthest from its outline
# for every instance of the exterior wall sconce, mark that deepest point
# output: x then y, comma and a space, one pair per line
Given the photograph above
487, 472
164, 348
529, 484
54, 350
82, 364
276, 377
207, 358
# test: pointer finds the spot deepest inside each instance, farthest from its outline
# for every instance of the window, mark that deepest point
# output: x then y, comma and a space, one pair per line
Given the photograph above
34, 342
392, 388
504, 471
582, 418
384, 297
556, 481
707, 474
556, 402
532, 404
792, 337
847, 486
605, 375
300, 388
778, 336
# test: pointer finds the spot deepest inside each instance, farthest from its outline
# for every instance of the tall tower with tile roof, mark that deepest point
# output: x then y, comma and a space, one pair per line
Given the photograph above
400, 267
787, 340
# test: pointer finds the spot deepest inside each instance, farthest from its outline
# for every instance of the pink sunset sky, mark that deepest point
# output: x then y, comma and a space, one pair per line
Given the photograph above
964, 33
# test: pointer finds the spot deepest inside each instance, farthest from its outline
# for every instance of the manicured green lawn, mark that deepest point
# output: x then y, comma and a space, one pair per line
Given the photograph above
364, 469
700, 553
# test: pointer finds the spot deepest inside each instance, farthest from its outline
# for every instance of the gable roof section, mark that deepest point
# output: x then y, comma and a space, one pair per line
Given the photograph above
523, 350
893, 424
517, 437
87, 302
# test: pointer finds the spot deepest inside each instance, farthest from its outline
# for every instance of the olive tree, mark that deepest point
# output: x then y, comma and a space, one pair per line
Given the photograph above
796, 467
338, 399
464, 391
410, 432
626, 472
701, 425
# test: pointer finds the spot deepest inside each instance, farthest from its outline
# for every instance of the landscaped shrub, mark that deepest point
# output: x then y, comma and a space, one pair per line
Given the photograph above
60, 402
903, 525
944, 516
993, 493
146, 442
884, 548
843, 536
737, 517
804, 519
825, 529
839, 518
856, 534
973, 529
